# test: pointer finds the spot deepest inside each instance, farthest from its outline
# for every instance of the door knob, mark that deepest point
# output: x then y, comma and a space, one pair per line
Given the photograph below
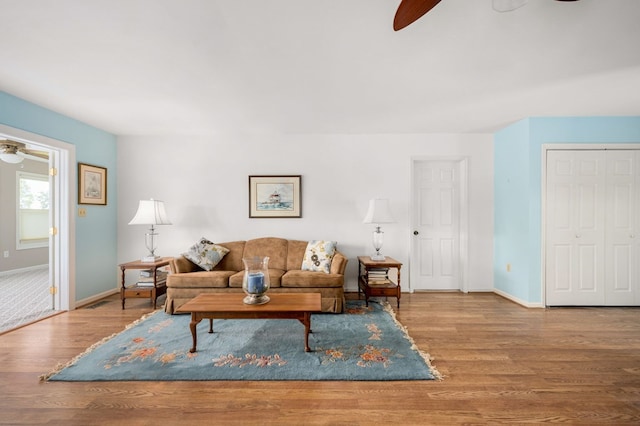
415, 232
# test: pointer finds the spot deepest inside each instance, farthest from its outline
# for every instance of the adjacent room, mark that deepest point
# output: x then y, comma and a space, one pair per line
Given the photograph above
480, 158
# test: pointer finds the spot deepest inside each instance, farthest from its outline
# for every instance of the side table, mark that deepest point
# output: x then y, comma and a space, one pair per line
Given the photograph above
152, 292
373, 278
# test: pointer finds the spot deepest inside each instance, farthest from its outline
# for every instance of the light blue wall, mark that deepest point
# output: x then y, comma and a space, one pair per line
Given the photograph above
518, 192
96, 244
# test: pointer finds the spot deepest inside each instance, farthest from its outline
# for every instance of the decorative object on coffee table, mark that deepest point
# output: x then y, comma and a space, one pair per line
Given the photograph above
379, 212
256, 281
150, 212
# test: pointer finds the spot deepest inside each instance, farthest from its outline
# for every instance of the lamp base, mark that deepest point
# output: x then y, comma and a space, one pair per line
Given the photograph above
377, 257
150, 259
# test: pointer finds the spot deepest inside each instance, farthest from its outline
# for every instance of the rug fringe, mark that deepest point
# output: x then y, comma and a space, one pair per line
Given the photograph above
427, 358
61, 366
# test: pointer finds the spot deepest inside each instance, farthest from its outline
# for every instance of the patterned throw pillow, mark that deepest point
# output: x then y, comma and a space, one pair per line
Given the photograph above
318, 256
206, 254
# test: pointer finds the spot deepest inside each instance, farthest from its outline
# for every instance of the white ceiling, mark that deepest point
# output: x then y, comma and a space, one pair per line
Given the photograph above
146, 67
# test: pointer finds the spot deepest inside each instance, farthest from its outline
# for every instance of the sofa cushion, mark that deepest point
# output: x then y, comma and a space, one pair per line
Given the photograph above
295, 254
233, 260
275, 248
206, 254
318, 255
310, 279
200, 279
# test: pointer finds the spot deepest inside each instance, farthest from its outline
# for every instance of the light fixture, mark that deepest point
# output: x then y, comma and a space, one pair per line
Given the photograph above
9, 154
150, 212
379, 212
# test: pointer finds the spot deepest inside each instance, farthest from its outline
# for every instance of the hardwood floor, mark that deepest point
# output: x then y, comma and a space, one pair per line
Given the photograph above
502, 364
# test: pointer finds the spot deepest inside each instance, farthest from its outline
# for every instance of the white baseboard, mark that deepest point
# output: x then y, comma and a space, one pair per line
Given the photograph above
90, 300
27, 269
517, 300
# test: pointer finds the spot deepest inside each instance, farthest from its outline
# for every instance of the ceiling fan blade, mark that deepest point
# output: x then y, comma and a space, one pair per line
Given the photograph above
507, 5
410, 11
40, 154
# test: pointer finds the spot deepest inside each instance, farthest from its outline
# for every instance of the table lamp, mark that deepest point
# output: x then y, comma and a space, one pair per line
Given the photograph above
150, 212
379, 212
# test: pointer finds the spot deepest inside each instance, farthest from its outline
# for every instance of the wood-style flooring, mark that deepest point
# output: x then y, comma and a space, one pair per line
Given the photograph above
502, 363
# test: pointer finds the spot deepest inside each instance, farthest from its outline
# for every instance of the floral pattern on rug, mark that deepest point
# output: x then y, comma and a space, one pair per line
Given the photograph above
366, 355
249, 359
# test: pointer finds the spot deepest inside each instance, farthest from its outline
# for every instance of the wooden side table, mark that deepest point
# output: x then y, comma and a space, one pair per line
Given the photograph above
152, 292
373, 278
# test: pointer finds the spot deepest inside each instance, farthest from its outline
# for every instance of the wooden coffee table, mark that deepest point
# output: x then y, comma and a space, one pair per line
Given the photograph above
230, 306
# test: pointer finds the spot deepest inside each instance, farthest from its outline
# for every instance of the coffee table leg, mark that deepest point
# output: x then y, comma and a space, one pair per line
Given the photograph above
307, 328
210, 325
192, 325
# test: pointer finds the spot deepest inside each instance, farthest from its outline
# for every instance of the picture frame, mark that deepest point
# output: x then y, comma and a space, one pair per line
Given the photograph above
92, 184
273, 196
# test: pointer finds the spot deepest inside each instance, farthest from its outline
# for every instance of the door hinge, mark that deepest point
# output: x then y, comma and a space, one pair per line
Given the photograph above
53, 290
53, 231
53, 171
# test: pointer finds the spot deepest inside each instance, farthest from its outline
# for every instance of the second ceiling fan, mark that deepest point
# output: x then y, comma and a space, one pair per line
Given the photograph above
410, 11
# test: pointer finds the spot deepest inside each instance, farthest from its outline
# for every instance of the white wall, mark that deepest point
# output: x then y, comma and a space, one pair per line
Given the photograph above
204, 183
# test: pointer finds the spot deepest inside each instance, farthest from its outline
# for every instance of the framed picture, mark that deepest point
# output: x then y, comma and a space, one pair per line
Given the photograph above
92, 184
275, 196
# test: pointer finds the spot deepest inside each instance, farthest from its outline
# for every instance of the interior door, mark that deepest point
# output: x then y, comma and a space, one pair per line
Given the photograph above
575, 192
621, 242
436, 220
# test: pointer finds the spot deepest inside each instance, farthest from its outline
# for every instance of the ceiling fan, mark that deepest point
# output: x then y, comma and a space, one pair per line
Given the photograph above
410, 11
15, 152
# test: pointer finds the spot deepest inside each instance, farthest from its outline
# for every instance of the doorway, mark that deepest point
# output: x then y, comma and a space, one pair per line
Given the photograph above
60, 171
439, 224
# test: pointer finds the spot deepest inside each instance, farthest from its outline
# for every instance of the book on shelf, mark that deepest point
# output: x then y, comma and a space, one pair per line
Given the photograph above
160, 276
148, 273
150, 283
373, 283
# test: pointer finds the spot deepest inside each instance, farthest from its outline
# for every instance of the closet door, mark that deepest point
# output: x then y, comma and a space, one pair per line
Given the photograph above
621, 242
592, 255
575, 228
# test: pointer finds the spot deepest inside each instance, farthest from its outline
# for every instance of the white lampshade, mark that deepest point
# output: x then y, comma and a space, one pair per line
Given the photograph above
379, 211
150, 212
8, 157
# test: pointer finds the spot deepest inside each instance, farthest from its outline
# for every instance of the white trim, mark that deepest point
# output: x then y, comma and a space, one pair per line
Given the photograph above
517, 300
63, 265
21, 270
97, 297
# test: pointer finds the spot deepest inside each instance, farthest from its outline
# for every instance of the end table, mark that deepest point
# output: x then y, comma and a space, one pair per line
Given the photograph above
373, 278
152, 292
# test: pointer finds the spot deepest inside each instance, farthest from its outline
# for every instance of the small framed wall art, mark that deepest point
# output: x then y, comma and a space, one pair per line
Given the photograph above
92, 184
275, 196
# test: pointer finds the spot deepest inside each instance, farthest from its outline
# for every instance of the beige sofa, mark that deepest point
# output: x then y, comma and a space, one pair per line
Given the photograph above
188, 280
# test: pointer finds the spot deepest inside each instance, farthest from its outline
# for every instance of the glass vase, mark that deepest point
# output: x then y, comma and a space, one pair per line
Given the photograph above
255, 282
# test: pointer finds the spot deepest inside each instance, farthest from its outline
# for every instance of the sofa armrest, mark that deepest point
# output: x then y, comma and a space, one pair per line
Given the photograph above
338, 263
181, 264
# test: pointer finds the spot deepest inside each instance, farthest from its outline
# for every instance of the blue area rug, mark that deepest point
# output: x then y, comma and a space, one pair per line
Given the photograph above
364, 343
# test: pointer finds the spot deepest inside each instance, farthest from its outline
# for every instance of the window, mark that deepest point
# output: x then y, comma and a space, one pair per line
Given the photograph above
33, 210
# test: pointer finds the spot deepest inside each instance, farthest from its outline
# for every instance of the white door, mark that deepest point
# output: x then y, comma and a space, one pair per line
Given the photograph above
436, 226
575, 228
621, 246
591, 253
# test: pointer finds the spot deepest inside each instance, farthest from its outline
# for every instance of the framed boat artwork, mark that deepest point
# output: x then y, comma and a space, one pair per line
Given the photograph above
275, 196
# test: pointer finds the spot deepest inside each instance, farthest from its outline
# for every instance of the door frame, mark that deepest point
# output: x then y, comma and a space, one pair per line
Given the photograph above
64, 246
543, 195
463, 230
